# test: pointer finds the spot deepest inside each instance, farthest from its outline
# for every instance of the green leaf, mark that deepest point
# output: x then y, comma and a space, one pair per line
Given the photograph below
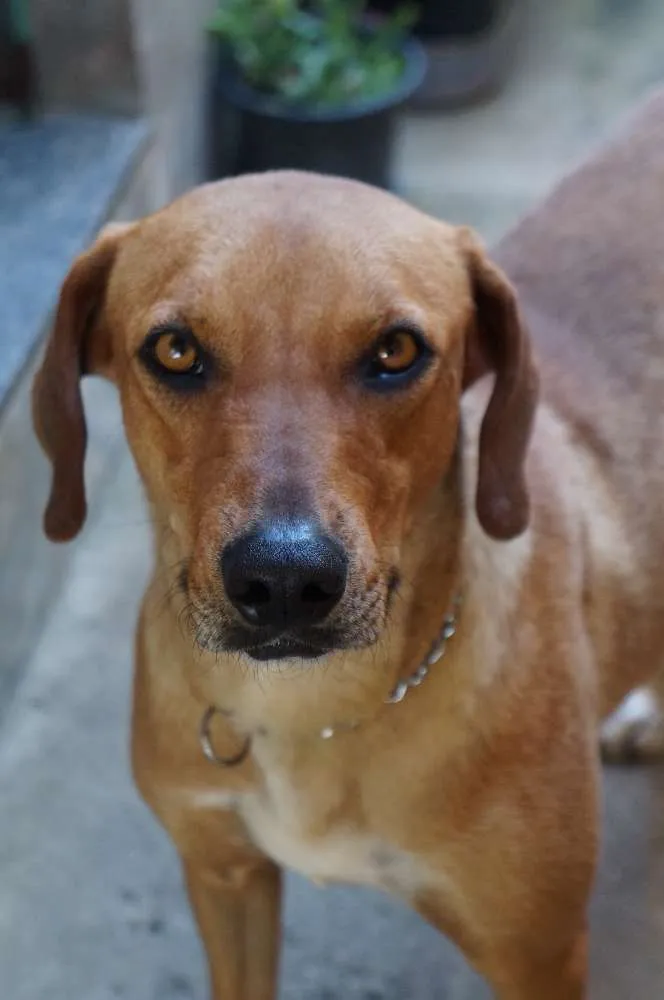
318, 53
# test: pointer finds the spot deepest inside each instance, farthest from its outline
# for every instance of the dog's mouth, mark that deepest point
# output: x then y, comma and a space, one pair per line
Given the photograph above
292, 644
286, 649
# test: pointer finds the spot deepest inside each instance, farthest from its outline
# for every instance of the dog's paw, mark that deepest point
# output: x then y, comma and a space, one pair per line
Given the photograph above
635, 731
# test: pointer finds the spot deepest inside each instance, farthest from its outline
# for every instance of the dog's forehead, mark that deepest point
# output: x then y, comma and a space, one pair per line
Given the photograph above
290, 199
288, 241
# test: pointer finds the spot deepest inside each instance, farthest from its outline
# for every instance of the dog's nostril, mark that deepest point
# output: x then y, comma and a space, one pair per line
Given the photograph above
312, 593
255, 593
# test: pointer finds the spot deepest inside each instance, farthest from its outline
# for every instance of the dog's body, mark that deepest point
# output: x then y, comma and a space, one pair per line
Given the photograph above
474, 798
589, 272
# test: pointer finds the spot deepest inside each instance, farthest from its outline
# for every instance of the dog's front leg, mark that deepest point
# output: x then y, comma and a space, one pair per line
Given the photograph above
238, 916
561, 976
522, 965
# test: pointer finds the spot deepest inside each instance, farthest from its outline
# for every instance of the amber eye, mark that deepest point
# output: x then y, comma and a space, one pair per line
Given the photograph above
397, 351
174, 356
399, 356
177, 353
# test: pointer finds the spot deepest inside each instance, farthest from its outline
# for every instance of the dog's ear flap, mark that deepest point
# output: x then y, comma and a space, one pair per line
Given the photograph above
497, 342
78, 345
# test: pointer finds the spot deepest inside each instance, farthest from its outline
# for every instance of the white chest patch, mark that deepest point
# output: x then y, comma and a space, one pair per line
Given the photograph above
340, 855
275, 818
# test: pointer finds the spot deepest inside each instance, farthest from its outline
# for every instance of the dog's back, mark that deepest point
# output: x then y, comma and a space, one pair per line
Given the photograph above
589, 269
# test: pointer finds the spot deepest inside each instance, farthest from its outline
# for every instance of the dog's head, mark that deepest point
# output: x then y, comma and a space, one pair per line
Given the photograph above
290, 352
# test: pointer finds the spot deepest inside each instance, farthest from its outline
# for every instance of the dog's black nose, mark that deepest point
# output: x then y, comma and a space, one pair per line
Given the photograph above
285, 574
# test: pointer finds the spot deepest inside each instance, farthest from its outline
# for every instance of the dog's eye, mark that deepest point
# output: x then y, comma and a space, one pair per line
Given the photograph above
177, 353
396, 352
397, 356
176, 357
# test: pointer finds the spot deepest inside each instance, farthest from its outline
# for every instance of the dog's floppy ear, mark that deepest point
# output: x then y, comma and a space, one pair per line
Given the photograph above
78, 344
498, 342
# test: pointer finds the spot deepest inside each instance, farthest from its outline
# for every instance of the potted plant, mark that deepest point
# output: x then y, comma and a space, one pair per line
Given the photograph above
312, 86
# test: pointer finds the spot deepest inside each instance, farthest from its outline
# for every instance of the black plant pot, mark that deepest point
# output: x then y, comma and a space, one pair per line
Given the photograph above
471, 45
448, 18
251, 132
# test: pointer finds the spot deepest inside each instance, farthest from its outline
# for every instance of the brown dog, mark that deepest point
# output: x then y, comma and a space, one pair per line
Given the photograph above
333, 405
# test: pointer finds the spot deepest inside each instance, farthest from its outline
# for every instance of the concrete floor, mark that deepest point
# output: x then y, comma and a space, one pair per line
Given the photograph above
91, 905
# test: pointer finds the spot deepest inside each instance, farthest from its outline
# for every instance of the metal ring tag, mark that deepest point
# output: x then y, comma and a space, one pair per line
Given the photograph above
205, 740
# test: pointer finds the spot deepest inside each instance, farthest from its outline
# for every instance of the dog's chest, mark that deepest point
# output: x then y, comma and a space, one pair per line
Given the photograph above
280, 819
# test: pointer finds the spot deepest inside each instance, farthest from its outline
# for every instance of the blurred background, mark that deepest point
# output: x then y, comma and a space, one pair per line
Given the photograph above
108, 109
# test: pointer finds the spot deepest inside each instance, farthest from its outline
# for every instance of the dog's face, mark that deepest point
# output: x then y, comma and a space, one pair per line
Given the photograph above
290, 352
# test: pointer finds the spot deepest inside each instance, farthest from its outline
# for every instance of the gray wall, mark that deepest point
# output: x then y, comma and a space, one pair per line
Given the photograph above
131, 57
